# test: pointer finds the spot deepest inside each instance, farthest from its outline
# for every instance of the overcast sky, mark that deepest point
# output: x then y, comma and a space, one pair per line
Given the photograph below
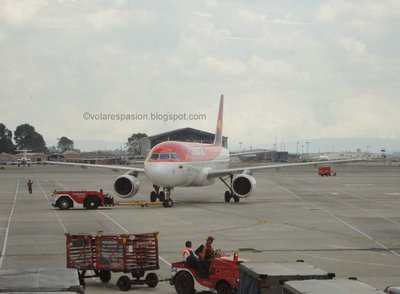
298, 70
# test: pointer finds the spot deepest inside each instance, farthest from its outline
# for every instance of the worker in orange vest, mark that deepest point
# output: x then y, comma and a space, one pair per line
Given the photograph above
188, 256
205, 251
192, 261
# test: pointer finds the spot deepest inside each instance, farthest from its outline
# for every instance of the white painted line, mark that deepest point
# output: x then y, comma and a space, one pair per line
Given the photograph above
3, 251
55, 212
393, 194
126, 231
61, 184
337, 218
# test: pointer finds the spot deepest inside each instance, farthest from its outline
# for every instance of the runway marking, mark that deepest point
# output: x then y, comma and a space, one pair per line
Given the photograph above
339, 219
392, 194
373, 212
3, 251
60, 184
359, 185
55, 212
126, 231
350, 261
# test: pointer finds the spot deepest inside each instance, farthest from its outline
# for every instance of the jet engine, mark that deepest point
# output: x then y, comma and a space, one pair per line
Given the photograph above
243, 185
126, 186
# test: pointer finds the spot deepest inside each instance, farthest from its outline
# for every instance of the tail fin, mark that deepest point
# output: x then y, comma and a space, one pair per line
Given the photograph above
218, 131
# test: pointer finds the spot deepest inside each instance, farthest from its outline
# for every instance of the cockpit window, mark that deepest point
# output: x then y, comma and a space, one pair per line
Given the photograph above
174, 156
164, 156
154, 156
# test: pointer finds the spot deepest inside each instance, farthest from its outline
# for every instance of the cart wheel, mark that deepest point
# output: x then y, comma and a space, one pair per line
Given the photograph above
151, 280
184, 283
223, 288
236, 198
105, 276
124, 283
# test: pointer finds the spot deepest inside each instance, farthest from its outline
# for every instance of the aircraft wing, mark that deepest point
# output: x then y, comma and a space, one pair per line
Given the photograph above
112, 167
247, 153
238, 170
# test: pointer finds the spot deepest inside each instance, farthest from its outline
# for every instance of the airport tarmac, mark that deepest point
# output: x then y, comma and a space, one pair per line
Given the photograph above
348, 224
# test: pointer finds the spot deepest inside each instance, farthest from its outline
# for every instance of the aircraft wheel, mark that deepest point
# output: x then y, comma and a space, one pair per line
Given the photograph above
184, 283
168, 203
228, 196
124, 283
161, 196
224, 288
236, 198
153, 196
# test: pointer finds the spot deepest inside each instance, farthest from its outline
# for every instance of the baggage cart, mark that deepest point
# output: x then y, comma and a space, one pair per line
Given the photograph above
105, 253
268, 278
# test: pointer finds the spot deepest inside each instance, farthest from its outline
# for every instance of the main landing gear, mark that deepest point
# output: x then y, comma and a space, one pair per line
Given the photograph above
163, 196
229, 194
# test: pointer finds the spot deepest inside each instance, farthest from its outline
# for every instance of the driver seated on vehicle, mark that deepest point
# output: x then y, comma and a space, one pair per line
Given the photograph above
206, 251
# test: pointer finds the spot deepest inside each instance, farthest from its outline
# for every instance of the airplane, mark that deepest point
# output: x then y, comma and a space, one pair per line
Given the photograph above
24, 160
173, 164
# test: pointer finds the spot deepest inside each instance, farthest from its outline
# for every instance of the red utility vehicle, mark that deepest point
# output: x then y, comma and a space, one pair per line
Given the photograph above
223, 276
80, 199
326, 171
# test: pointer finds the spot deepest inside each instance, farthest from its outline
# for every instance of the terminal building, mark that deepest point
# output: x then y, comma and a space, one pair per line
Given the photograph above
184, 135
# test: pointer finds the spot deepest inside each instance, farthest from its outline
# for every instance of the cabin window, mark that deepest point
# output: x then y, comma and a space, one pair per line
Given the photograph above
154, 156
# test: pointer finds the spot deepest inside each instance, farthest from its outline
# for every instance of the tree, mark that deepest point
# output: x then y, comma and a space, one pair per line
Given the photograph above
133, 143
65, 144
26, 137
6, 144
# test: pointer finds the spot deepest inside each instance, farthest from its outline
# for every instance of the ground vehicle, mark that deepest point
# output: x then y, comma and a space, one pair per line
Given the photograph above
106, 253
223, 276
326, 171
87, 199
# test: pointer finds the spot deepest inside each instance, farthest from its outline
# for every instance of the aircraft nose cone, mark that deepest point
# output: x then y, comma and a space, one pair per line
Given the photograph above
163, 174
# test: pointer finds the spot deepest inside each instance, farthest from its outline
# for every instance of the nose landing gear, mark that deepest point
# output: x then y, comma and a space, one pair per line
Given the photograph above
163, 196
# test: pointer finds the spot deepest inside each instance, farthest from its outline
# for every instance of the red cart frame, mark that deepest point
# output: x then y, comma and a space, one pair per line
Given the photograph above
106, 253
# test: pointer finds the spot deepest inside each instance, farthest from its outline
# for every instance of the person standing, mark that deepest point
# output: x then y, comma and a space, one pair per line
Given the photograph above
29, 184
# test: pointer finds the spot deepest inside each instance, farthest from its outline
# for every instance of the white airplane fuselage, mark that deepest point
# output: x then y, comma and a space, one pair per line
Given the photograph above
181, 164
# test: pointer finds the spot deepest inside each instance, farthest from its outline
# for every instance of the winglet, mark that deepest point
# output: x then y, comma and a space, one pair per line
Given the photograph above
218, 131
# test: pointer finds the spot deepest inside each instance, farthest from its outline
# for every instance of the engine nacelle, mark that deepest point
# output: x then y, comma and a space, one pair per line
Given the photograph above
243, 185
126, 186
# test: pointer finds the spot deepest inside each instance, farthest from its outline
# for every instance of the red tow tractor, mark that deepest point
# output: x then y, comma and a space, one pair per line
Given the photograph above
326, 171
88, 199
223, 275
